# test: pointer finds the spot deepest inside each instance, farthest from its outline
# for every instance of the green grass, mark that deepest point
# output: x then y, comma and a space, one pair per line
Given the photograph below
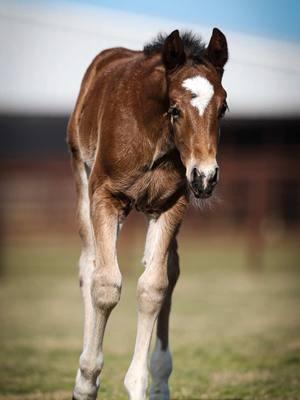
234, 332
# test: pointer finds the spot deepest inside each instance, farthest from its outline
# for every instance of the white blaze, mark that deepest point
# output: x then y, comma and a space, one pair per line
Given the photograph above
202, 89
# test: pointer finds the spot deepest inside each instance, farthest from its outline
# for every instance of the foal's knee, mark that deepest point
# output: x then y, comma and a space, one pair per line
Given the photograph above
105, 290
151, 292
91, 366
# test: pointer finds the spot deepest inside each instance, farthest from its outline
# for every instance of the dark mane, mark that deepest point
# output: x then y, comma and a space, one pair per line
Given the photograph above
193, 46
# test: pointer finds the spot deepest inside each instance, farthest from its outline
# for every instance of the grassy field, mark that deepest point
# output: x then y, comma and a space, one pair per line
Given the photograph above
234, 332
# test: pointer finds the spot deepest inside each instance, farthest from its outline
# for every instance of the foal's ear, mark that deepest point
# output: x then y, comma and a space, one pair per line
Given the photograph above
173, 54
217, 51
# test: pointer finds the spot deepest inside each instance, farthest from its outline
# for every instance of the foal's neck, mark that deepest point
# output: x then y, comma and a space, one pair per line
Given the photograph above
155, 104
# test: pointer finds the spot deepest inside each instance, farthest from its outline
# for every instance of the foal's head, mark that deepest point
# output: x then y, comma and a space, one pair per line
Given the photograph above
197, 102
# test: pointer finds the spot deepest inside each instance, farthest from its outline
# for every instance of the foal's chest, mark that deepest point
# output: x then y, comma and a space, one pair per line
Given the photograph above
158, 189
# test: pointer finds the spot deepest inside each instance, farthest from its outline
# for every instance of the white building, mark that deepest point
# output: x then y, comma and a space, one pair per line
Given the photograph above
45, 49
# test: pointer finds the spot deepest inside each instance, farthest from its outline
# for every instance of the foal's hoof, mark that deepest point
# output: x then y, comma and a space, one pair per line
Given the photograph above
160, 396
160, 391
77, 396
83, 398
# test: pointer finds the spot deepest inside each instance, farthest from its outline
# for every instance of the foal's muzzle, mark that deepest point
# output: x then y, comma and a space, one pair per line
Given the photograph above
203, 184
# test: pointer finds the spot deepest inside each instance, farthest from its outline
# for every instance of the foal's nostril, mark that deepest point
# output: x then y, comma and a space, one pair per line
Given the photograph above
195, 174
214, 179
197, 180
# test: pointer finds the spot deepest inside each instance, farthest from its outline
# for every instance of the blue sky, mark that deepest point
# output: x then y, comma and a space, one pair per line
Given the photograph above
278, 19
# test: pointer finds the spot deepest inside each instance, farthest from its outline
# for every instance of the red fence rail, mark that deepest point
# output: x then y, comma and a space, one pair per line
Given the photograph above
37, 196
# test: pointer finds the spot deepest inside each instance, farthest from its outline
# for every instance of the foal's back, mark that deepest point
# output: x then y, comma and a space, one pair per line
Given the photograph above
98, 87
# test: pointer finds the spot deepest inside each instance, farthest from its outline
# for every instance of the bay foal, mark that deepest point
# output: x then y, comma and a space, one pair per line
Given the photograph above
143, 134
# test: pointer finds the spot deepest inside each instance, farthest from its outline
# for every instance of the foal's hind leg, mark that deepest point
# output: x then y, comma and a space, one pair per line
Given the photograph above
86, 266
152, 288
100, 282
161, 360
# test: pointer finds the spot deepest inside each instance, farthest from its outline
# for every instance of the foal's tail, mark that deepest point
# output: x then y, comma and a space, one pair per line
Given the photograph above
81, 174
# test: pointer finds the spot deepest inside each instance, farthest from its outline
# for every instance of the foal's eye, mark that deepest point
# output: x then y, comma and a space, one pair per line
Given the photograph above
174, 112
223, 110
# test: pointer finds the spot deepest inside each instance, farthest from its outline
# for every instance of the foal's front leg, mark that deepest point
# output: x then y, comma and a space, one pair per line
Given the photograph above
151, 292
105, 288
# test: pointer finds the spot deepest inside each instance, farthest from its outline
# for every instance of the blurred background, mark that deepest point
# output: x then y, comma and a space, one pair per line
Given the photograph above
240, 255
